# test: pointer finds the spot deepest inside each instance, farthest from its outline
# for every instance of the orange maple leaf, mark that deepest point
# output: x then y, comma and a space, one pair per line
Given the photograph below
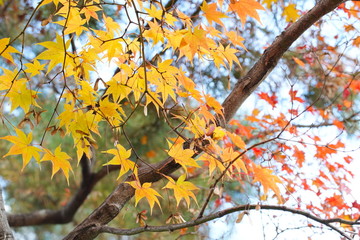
272, 100
323, 152
267, 180
211, 14
293, 96
299, 155
336, 201
245, 8
236, 139
356, 42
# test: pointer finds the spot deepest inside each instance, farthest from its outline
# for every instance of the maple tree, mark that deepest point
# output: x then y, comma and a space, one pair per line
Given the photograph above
170, 66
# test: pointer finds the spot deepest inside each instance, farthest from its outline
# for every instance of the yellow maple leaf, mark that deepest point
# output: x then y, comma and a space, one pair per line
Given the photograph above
291, 13
121, 156
211, 14
154, 32
73, 20
186, 20
229, 54
59, 161
56, 2
219, 133
197, 126
117, 89
66, 116
110, 111
87, 93
20, 96
245, 8
182, 189
267, 179
145, 191
154, 12
22, 145
34, 68
5, 50
90, 11
55, 52
269, 3
183, 156
111, 25
170, 19
6, 80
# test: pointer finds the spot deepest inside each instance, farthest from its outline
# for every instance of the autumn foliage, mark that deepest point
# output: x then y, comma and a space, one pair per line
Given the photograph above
109, 66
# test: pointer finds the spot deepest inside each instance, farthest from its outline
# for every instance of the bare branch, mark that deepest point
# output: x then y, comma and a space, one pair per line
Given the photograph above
219, 214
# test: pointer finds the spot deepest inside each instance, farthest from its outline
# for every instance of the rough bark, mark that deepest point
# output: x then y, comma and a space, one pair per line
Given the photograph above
113, 204
5, 230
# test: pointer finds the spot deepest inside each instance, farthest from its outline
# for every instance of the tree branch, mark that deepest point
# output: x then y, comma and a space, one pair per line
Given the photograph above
113, 204
219, 214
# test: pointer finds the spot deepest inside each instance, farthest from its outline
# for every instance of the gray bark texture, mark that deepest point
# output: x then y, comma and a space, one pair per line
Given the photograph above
5, 230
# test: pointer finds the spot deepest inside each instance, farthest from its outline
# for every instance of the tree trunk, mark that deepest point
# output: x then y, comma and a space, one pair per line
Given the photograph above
5, 230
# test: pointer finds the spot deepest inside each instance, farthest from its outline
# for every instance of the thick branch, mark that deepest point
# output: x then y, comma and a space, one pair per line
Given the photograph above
110, 208
219, 214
